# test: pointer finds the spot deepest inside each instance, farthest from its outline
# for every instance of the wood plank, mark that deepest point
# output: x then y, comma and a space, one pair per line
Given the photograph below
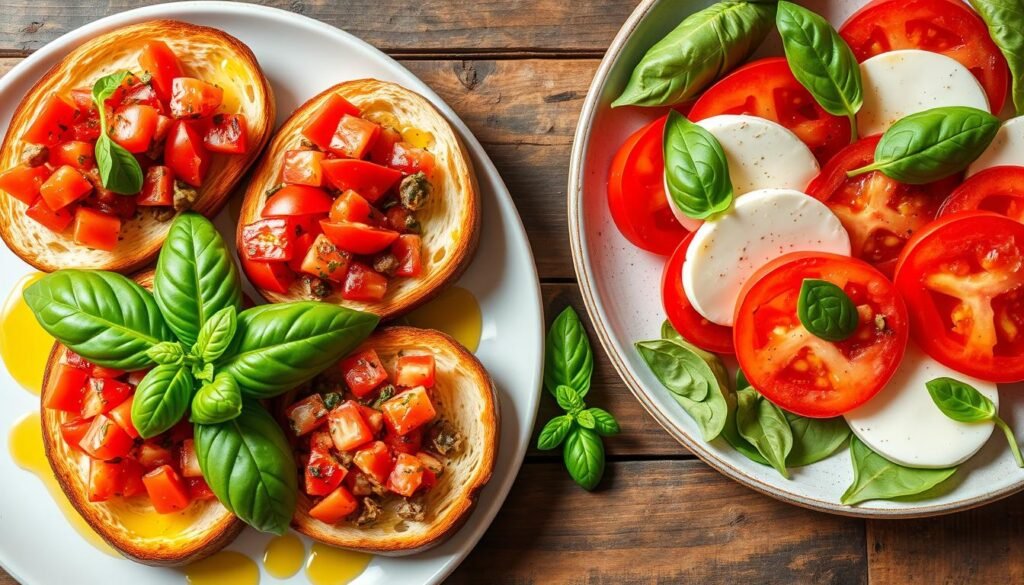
660, 522
500, 26
985, 545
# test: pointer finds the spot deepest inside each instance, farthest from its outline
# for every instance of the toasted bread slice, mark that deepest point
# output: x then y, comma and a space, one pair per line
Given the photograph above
200, 530
464, 395
207, 53
450, 221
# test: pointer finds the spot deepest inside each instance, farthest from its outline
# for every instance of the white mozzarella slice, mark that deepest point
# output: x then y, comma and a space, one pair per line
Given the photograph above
762, 226
1007, 148
900, 83
761, 154
902, 423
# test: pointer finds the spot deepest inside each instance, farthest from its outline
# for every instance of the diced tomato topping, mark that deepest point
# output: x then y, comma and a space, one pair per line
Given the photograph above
193, 98
408, 411
181, 431
65, 186
407, 476
363, 372
321, 440
76, 153
358, 238
353, 137
324, 260
323, 473
23, 182
185, 153
364, 284
307, 414
273, 276
353, 207
102, 394
401, 219
321, 127
166, 490
143, 94
269, 240
302, 167
101, 372
303, 242
198, 489
134, 126
410, 442
382, 148
107, 201
347, 427
366, 178
151, 455
297, 200
375, 461
131, 478
57, 221
68, 388
105, 439
122, 415
187, 459
157, 187
335, 507
373, 417
105, 480
96, 229
81, 98
76, 361
229, 133
74, 430
411, 160
162, 64
408, 249
415, 370
54, 119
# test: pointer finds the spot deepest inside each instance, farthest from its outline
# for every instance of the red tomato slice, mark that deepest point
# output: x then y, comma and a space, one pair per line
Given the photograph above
143, 94
297, 200
948, 27
351, 206
269, 240
194, 98
106, 480
411, 160
347, 426
766, 88
302, 167
134, 126
96, 229
65, 186
353, 137
68, 389
375, 461
998, 189
323, 260
307, 414
335, 506
73, 431
54, 119
23, 182
358, 238
964, 277
57, 221
323, 473
272, 276
368, 179
802, 373
320, 128
362, 283
105, 440
384, 145
185, 153
408, 411
879, 213
229, 133
407, 476
76, 153
162, 64
157, 187
684, 318
363, 372
408, 249
415, 370
636, 192
166, 490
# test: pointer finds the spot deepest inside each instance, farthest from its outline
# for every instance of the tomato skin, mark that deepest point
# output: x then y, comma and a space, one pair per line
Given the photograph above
353, 207
680, 312
65, 186
373, 417
272, 276
964, 277
353, 137
122, 415
106, 480
76, 153
193, 98
375, 461
407, 476
103, 394
636, 192
57, 221
302, 167
320, 128
767, 88
96, 229
382, 148
23, 182
73, 431
166, 490
269, 240
157, 187
323, 473
368, 179
997, 189
801, 373
162, 64
105, 440
198, 489
335, 506
358, 238
411, 160
54, 119
948, 27
185, 154
151, 455
410, 442
68, 389
363, 372
134, 126
188, 460
297, 200
362, 283
229, 134
408, 411
408, 249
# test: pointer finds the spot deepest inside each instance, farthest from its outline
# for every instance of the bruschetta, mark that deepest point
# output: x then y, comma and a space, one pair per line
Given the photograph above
395, 444
146, 498
365, 197
186, 110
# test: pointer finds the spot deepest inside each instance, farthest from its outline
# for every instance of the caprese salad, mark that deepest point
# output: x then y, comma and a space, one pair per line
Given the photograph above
846, 220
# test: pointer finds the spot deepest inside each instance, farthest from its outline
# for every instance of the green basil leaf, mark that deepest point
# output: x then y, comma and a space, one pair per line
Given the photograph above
584, 457
277, 347
554, 432
877, 478
705, 46
586, 419
678, 368
815, 439
216, 334
119, 169
1004, 19
202, 371
741, 379
104, 317
161, 399
195, 276
696, 171
960, 401
249, 465
826, 311
765, 427
568, 358
604, 423
668, 333
217, 401
166, 353
106, 86
568, 398
933, 144
821, 61
731, 433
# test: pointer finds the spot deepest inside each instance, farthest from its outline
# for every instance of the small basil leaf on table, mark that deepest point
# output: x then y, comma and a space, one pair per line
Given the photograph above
963, 403
249, 465
568, 399
195, 276
166, 353
584, 457
278, 347
814, 439
933, 144
877, 478
1004, 19
161, 399
705, 46
554, 432
826, 311
604, 423
821, 61
765, 427
119, 169
696, 171
216, 334
102, 316
217, 401
568, 358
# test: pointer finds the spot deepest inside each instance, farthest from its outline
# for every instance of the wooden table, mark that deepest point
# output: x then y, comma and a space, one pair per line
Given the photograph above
517, 73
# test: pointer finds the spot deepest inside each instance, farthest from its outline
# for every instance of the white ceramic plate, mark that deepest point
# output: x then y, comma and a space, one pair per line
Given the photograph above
622, 290
301, 57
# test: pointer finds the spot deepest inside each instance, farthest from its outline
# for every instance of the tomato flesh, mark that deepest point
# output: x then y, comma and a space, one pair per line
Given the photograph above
268, 240
408, 250
105, 440
415, 370
362, 283
57, 221
302, 167
157, 187
408, 411
358, 238
272, 276
998, 189
375, 461
185, 153
68, 388
194, 98
54, 119
324, 260
407, 476
134, 126
96, 229
363, 372
166, 490
323, 473
65, 186
228, 133
23, 182
347, 426
307, 415
321, 127
353, 137
335, 507
163, 66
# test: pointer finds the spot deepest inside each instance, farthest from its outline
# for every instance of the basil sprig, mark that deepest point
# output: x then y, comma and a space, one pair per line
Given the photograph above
1004, 19
705, 46
696, 171
826, 311
119, 171
932, 145
963, 403
568, 358
877, 478
821, 61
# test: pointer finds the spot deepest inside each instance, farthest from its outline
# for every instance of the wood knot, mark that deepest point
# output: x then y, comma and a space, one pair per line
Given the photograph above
472, 73
32, 27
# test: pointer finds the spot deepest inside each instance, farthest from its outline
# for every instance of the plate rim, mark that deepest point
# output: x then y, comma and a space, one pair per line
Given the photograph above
588, 290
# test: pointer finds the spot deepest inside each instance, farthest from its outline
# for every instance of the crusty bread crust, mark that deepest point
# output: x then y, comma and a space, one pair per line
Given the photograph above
207, 53
464, 395
213, 526
450, 220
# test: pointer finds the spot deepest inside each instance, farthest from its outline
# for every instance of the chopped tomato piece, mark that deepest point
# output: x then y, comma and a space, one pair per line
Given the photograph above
366, 178
105, 439
307, 414
408, 411
321, 127
101, 372
152, 455
375, 461
57, 221
163, 66
65, 186
76, 153
407, 248
187, 459
185, 153
76, 361
157, 187
411, 160
105, 480
297, 200
321, 440
143, 94
194, 98
166, 490
382, 148
103, 394
54, 119
229, 133
81, 98
74, 430
131, 478
415, 370
23, 182
401, 219
96, 229
302, 167
358, 238
324, 260
134, 126
407, 476
303, 243
410, 442
353, 137
269, 240
363, 372
373, 417
122, 415
273, 276
347, 427
363, 284
351, 206
68, 388
323, 473
198, 489
107, 201
335, 506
